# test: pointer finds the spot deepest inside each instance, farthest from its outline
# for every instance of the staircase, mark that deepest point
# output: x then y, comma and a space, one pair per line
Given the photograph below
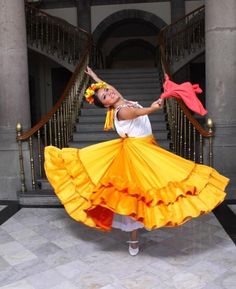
70, 47
141, 85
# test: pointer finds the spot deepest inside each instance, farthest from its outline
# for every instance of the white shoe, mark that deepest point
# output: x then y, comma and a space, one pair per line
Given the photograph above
132, 251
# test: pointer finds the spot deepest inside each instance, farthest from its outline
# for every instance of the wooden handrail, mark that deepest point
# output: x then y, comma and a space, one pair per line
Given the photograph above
167, 70
182, 18
46, 118
49, 115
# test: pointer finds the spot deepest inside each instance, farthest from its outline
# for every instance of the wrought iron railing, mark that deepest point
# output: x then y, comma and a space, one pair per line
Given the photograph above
187, 135
55, 128
183, 37
53, 35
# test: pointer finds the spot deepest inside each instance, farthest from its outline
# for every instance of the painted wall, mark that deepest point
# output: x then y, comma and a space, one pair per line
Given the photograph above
192, 5
68, 14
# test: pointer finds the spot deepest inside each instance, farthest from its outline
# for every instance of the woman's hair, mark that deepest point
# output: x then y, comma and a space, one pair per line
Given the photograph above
97, 101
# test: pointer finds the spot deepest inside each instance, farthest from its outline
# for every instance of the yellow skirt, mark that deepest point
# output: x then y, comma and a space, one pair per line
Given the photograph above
132, 177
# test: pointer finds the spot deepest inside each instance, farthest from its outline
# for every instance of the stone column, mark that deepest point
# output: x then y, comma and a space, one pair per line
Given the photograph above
84, 14
177, 9
221, 84
14, 92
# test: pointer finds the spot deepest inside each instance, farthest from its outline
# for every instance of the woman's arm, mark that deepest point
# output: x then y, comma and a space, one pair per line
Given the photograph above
92, 74
126, 113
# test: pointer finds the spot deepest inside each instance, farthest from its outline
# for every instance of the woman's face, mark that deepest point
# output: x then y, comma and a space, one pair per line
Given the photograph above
107, 96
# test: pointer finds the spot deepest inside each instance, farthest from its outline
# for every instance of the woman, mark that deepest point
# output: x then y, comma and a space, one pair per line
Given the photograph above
131, 182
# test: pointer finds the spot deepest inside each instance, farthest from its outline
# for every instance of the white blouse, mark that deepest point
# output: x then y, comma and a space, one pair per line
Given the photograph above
137, 127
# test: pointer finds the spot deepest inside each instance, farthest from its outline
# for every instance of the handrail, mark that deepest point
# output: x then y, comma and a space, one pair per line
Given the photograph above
55, 36
46, 117
187, 33
57, 126
192, 13
87, 49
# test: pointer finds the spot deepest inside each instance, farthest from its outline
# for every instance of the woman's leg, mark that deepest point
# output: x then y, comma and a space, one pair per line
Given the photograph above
134, 237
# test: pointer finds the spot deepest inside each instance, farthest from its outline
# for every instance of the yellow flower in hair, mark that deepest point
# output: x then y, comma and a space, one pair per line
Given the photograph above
90, 91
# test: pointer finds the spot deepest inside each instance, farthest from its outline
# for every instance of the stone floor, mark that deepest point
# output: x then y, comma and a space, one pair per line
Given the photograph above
42, 248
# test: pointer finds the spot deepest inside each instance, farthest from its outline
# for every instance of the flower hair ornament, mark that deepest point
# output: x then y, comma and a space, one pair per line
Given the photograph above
89, 93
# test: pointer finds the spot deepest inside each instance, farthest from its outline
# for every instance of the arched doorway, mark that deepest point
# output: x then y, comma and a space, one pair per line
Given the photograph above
132, 53
128, 38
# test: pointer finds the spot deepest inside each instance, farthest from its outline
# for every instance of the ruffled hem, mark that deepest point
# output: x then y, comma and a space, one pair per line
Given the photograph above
187, 201
95, 182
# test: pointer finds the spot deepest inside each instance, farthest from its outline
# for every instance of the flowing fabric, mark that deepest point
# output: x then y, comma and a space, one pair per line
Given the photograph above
132, 177
185, 91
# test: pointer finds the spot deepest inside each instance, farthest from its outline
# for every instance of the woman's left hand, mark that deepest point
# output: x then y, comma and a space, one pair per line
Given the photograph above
157, 104
89, 71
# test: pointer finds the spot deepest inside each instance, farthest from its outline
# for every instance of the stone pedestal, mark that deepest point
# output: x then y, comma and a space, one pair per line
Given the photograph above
177, 9
14, 92
221, 84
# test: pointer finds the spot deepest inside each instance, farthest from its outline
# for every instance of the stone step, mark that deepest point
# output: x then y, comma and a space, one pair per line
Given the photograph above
145, 103
101, 118
138, 82
84, 127
104, 136
102, 112
152, 96
126, 70
136, 85
126, 91
45, 197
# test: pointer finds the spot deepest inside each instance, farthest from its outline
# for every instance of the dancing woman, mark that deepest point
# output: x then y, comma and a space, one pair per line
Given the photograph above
130, 182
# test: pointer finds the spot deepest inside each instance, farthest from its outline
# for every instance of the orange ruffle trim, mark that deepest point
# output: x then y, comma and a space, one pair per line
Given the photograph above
134, 178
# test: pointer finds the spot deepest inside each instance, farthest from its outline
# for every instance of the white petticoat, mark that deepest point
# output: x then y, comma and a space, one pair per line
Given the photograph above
125, 223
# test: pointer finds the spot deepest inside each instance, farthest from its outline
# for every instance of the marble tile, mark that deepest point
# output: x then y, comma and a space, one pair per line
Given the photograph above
59, 258
22, 234
34, 242
94, 280
10, 275
113, 286
66, 285
66, 241
62, 253
14, 253
12, 225
187, 280
73, 270
46, 249
229, 281
22, 284
32, 267
5, 237
46, 279
3, 264
140, 281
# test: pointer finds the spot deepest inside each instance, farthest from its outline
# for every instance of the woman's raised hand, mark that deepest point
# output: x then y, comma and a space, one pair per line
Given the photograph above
92, 74
89, 71
157, 104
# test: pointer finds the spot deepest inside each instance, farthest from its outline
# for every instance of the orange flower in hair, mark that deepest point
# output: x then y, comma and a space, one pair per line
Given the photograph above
90, 91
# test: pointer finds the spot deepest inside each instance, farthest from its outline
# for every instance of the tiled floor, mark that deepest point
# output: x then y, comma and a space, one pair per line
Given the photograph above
42, 248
